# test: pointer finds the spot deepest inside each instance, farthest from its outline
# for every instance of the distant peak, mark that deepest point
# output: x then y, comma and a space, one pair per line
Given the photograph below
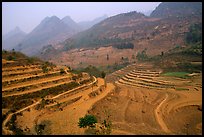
54, 17
67, 18
17, 29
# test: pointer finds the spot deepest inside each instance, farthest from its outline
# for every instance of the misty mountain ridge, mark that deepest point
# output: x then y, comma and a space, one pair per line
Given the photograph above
15, 31
124, 27
10, 39
88, 24
105, 31
135, 27
51, 30
71, 23
177, 9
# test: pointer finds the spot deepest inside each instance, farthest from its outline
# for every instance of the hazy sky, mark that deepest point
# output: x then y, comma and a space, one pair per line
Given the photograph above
27, 15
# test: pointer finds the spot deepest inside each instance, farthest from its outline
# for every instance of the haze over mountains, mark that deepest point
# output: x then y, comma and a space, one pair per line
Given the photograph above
88, 24
10, 39
166, 25
136, 27
51, 30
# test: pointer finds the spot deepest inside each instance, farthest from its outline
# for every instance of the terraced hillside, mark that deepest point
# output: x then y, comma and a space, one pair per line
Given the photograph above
146, 101
39, 85
143, 76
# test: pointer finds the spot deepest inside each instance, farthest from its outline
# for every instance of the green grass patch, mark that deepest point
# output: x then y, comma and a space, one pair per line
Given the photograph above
177, 74
182, 89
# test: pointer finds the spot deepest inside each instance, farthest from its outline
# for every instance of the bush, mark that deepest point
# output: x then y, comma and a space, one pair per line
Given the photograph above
142, 56
103, 74
124, 46
195, 34
62, 71
87, 120
44, 68
11, 58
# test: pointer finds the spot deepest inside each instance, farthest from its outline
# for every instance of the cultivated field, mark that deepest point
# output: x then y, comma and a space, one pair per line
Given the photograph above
139, 98
147, 102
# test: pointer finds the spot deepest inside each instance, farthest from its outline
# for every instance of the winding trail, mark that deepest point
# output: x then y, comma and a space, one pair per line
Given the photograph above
158, 115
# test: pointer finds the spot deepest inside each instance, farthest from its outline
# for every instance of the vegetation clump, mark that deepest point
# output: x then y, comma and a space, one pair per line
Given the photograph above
142, 56
87, 121
95, 128
12, 126
127, 45
62, 71
195, 34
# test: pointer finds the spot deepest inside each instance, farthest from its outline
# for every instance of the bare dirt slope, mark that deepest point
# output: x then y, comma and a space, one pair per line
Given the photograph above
138, 107
65, 120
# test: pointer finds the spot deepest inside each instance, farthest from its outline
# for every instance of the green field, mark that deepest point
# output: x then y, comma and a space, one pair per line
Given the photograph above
177, 74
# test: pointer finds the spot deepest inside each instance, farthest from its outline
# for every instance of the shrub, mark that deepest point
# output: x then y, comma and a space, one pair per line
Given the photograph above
87, 120
195, 34
11, 57
103, 74
142, 56
62, 71
44, 68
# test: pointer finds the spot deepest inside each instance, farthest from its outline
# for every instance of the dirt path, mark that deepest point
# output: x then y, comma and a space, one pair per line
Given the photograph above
4, 128
158, 115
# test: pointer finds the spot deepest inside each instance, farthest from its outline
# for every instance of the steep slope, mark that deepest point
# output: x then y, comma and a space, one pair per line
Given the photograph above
51, 30
136, 27
10, 39
177, 9
88, 24
155, 35
106, 31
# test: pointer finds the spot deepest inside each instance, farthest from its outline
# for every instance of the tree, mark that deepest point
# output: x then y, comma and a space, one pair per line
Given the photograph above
195, 34
87, 121
62, 71
11, 57
142, 56
162, 53
133, 56
44, 68
103, 74
107, 57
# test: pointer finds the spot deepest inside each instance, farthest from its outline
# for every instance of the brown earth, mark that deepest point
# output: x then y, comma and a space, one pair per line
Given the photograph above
66, 120
97, 57
138, 99
141, 110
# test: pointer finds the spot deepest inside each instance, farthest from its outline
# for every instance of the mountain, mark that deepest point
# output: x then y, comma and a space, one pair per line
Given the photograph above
113, 29
13, 37
88, 24
71, 24
147, 13
177, 9
131, 33
136, 27
51, 30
